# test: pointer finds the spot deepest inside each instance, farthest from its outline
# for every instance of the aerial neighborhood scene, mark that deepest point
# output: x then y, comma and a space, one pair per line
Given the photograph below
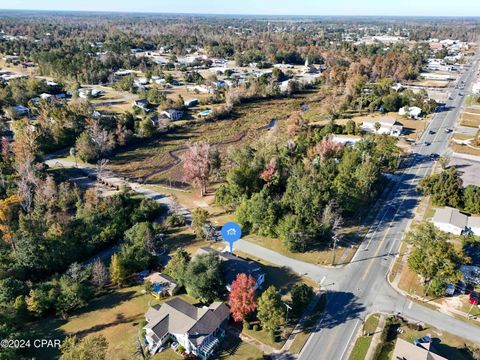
240, 180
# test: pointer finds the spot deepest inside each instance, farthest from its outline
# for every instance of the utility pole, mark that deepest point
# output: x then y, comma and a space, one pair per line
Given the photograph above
288, 308
335, 240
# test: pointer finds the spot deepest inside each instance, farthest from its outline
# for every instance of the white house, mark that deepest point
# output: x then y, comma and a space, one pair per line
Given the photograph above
450, 220
346, 139
476, 88
473, 225
413, 112
173, 114
198, 329
382, 126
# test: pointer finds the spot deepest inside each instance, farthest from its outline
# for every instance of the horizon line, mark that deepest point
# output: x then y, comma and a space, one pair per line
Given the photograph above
240, 14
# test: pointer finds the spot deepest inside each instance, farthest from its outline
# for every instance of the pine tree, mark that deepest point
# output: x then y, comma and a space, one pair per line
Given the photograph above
117, 271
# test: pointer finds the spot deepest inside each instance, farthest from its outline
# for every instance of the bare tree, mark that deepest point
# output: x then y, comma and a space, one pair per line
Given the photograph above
195, 165
100, 276
101, 165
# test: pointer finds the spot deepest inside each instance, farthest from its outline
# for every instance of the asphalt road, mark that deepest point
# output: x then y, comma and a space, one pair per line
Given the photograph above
361, 287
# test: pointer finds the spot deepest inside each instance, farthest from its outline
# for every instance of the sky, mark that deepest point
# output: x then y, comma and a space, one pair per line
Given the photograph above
262, 7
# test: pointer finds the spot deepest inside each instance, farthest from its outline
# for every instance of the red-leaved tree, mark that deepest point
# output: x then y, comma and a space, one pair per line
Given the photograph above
195, 165
327, 148
242, 297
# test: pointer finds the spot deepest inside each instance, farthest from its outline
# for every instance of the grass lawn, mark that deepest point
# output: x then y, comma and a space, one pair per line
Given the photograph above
265, 338
117, 316
318, 257
470, 118
231, 348
463, 149
363, 342
371, 324
281, 277
360, 348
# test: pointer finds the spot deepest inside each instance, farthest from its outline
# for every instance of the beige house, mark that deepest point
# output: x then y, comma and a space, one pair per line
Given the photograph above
453, 221
408, 351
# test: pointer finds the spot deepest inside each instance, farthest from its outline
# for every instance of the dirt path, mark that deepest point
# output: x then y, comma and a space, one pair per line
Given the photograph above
176, 158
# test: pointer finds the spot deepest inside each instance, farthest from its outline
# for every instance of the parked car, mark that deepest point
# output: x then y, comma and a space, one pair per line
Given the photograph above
427, 143
423, 340
474, 298
450, 290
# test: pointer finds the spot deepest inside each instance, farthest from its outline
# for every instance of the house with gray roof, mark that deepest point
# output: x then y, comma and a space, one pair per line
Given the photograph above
198, 329
453, 221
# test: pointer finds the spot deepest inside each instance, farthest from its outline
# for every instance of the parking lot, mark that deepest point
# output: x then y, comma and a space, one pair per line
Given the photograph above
468, 169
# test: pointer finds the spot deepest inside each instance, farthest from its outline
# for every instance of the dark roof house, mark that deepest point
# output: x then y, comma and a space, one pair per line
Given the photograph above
197, 329
233, 265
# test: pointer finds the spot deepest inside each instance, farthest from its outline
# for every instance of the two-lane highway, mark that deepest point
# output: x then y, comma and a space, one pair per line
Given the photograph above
362, 287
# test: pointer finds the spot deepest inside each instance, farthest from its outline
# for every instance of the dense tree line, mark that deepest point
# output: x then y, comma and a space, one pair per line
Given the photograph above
48, 227
434, 258
299, 190
446, 189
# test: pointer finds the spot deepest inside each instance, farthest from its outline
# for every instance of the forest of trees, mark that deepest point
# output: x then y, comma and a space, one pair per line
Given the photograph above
49, 226
299, 190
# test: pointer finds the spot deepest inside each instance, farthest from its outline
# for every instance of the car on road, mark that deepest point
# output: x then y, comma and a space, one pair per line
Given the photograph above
431, 132
426, 143
461, 94
448, 130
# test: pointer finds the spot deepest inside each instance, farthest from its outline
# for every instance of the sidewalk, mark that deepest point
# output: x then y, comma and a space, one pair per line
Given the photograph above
301, 323
377, 338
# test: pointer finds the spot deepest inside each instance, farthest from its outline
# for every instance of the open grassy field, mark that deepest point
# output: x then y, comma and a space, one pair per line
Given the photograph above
431, 83
116, 316
464, 149
146, 158
320, 256
471, 118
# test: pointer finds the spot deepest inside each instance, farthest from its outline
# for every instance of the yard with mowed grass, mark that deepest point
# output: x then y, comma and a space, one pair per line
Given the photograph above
321, 256
117, 316
363, 342
444, 344
470, 118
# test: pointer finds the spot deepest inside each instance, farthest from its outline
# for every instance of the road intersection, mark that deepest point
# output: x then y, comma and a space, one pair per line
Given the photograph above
361, 287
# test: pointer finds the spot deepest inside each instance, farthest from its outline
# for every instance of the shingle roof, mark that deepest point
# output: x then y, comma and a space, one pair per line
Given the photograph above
179, 317
473, 222
449, 215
